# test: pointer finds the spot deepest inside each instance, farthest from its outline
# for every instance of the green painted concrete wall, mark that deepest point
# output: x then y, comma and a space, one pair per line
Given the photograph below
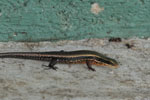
39, 20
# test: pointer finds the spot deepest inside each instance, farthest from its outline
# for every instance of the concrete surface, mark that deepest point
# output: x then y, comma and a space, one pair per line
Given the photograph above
51, 20
27, 80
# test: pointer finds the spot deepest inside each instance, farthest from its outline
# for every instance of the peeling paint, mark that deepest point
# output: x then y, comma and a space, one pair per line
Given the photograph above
96, 9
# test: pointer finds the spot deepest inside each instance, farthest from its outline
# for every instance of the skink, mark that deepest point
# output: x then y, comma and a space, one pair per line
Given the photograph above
68, 57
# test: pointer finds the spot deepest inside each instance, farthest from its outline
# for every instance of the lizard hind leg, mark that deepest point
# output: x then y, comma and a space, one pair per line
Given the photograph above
89, 66
52, 64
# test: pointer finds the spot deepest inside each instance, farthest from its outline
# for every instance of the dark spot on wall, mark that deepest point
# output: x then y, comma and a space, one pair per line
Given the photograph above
115, 40
92, 2
72, 4
142, 1
118, 19
25, 3
109, 32
40, 1
90, 33
129, 45
24, 32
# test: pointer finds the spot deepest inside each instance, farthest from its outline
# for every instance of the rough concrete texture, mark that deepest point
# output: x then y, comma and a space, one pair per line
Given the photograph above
27, 80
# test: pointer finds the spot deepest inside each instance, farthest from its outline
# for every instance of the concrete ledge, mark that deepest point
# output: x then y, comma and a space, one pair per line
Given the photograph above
27, 80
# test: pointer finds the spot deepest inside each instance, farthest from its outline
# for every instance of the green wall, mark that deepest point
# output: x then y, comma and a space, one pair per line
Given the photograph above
39, 20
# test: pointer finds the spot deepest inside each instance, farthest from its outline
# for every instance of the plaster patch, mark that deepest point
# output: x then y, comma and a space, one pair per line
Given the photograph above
0, 14
95, 8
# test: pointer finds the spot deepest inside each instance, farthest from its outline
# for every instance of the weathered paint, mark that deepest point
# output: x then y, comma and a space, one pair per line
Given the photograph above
38, 20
